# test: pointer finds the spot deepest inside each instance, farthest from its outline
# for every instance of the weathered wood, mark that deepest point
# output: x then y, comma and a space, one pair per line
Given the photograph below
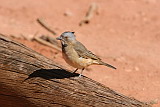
30, 79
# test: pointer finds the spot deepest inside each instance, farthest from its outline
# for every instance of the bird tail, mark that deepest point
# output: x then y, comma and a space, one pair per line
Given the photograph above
108, 65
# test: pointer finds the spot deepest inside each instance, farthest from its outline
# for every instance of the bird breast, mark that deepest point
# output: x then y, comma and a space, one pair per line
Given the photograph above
73, 59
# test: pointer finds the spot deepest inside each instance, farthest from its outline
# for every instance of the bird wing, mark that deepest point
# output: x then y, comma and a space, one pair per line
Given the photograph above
83, 52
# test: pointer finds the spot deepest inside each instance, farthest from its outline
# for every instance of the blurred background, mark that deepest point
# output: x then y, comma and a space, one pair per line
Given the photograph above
124, 33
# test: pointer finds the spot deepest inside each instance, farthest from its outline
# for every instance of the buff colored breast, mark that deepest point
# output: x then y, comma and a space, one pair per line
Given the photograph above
73, 59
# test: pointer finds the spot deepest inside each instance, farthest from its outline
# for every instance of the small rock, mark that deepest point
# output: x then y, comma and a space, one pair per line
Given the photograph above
68, 13
136, 68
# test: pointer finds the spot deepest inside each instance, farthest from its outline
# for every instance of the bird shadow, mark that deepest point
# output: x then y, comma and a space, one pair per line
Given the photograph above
52, 74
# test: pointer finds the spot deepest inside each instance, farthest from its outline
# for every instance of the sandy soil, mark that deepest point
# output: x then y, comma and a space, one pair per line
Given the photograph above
125, 34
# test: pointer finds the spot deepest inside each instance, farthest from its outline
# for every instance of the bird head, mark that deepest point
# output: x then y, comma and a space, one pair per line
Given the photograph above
67, 37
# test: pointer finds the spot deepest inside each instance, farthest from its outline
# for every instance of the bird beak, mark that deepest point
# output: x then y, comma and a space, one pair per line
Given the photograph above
59, 38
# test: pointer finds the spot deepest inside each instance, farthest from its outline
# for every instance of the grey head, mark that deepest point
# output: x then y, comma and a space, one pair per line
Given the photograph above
67, 37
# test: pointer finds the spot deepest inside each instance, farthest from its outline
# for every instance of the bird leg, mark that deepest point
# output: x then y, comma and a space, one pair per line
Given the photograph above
75, 70
81, 72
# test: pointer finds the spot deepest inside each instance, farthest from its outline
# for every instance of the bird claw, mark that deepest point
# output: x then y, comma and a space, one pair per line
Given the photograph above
80, 75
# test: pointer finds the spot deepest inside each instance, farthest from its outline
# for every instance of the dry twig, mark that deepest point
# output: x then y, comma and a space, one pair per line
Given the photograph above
42, 23
92, 9
44, 42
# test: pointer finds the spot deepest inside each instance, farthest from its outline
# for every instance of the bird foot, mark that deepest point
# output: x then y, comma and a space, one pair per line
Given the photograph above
80, 75
75, 71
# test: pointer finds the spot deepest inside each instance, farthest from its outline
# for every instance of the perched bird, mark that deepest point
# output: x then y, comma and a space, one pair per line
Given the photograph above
76, 54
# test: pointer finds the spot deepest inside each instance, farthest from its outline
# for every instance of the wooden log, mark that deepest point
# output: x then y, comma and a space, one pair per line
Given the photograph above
29, 79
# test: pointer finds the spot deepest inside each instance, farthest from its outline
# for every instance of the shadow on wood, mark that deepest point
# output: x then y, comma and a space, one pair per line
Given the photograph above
52, 74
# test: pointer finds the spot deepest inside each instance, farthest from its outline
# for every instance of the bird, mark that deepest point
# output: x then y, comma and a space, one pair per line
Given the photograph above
76, 54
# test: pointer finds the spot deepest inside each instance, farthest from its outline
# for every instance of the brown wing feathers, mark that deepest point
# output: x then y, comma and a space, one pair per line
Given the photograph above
83, 52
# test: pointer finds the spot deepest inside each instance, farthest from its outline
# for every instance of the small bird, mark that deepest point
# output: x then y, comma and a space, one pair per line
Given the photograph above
76, 54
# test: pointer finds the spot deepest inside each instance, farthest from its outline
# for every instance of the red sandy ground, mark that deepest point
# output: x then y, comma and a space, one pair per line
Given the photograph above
125, 34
